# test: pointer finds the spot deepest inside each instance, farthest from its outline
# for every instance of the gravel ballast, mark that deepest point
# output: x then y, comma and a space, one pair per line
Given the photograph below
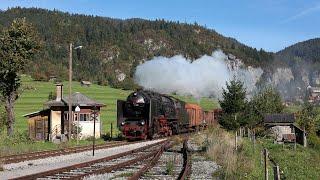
201, 168
34, 166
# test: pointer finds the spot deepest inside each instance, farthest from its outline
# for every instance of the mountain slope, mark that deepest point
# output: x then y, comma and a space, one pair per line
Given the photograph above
308, 51
295, 68
113, 47
304, 60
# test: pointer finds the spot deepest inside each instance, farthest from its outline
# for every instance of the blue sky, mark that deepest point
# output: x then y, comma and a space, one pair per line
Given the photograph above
269, 24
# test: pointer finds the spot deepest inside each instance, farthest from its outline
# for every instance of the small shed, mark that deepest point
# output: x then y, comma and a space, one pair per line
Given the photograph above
284, 129
38, 124
85, 83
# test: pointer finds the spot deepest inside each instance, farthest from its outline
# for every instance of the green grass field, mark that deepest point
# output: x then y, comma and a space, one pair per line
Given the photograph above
36, 93
302, 163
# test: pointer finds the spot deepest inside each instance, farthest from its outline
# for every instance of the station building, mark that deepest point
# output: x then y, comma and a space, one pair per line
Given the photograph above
52, 122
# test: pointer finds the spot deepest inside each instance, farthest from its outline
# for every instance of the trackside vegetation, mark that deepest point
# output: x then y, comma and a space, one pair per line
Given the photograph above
247, 161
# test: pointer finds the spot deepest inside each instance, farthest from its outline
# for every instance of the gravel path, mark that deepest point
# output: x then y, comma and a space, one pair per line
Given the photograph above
201, 168
39, 165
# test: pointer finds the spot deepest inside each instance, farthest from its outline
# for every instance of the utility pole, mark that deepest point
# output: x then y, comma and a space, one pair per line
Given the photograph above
70, 99
95, 110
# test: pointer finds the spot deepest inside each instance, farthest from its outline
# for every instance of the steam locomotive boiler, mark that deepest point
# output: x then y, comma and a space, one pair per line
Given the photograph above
147, 114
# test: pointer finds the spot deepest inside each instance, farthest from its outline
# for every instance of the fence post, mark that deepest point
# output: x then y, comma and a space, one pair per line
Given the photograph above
261, 157
276, 172
235, 141
111, 131
265, 152
254, 141
304, 138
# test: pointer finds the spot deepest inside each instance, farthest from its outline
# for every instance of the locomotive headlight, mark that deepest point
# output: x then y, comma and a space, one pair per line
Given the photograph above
123, 123
140, 100
142, 123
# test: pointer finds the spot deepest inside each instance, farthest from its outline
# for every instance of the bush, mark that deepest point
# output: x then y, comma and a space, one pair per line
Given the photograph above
120, 137
314, 141
90, 138
17, 138
2, 120
74, 129
106, 137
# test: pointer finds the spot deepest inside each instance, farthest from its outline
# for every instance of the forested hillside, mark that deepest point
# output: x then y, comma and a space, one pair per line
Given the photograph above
304, 60
112, 48
308, 51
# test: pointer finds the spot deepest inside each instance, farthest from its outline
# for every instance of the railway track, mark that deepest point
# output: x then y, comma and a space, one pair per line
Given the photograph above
173, 164
104, 165
186, 170
51, 153
140, 163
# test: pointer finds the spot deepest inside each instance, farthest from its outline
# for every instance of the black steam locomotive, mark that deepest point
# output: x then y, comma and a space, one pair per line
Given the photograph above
147, 114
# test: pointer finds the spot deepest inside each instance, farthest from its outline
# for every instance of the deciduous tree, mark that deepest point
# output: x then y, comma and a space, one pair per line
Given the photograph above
266, 101
17, 45
307, 118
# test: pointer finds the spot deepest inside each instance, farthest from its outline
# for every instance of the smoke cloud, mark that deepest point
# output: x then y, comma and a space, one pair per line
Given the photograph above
204, 77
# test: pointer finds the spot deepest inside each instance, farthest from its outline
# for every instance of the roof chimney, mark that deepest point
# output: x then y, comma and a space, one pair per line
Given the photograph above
59, 92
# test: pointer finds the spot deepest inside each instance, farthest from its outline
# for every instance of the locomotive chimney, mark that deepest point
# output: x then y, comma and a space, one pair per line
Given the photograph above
59, 92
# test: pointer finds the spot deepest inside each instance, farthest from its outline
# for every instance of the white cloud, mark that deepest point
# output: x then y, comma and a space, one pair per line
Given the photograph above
302, 13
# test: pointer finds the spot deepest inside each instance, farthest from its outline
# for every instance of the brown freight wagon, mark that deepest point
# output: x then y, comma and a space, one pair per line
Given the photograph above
208, 117
217, 114
195, 115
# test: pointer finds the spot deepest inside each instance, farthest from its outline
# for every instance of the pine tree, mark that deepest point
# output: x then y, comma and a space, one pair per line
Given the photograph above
233, 103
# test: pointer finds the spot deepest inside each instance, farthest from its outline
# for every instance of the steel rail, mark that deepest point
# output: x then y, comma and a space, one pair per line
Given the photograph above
51, 153
152, 162
89, 163
186, 170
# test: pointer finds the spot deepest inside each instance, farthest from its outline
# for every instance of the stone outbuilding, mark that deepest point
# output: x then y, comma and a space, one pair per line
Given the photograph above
283, 128
52, 122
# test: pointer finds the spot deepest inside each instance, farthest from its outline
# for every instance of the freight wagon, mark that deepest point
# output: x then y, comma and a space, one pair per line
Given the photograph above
209, 117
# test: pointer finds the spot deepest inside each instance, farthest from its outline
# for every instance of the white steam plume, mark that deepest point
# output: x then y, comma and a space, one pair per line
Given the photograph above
203, 77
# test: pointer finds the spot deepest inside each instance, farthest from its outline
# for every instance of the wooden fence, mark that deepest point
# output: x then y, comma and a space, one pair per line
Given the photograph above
266, 159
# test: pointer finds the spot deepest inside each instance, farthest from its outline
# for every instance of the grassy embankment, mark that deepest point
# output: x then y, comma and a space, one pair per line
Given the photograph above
36, 93
247, 163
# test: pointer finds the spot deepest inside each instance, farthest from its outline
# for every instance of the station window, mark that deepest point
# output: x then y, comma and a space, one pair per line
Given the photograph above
85, 117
